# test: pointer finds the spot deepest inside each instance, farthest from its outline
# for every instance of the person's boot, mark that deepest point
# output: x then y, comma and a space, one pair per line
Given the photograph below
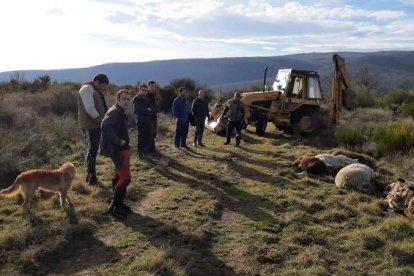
200, 143
115, 209
119, 213
122, 192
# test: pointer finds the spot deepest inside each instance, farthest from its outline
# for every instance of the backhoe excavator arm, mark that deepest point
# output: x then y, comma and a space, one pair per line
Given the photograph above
342, 95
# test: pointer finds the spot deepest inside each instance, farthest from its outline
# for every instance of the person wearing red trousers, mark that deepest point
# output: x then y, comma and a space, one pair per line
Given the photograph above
115, 144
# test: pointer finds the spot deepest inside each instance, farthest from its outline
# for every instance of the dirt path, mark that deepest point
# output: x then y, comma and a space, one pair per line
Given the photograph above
150, 200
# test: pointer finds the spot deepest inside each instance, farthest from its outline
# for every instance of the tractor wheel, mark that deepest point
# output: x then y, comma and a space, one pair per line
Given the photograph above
308, 123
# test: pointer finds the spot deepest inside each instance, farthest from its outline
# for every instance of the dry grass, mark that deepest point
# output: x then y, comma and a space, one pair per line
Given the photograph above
219, 210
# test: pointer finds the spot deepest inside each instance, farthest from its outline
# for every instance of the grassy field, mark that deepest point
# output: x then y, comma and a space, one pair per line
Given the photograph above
218, 210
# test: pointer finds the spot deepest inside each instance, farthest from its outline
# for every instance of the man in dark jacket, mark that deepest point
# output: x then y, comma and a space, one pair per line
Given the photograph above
144, 116
152, 90
115, 144
199, 108
181, 111
235, 112
91, 110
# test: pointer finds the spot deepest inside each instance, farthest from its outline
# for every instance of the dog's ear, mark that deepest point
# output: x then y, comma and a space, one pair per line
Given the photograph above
75, 163
60, 164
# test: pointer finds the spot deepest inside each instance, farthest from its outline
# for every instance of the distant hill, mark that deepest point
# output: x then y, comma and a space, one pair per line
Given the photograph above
393, 68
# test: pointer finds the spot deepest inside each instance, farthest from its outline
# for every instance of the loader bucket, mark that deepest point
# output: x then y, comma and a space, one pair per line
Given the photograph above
219, 125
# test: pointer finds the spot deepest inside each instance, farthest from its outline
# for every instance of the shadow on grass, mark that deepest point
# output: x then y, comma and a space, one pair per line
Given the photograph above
230, 197
76, 251
190, 252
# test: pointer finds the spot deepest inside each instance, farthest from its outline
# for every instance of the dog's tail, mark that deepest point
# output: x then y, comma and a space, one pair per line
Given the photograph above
11, 191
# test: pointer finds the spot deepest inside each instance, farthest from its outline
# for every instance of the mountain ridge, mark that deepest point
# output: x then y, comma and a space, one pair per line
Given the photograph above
390, 67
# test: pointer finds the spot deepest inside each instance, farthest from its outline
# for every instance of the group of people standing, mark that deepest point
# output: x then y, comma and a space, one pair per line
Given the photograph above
107, 129
198, 114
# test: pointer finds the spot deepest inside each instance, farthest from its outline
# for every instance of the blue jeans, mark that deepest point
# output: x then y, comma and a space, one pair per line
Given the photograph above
181, 132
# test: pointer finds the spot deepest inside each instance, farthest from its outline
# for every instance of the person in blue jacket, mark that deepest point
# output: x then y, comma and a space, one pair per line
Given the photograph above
181, 112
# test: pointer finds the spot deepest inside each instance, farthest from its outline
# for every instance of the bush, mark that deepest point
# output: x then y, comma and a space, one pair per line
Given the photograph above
364, 98
408, 109
167, 96
398, 97
7, 117
350, 136
394, 137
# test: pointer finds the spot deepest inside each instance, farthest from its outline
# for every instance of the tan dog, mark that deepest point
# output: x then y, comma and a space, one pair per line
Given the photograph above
57, 181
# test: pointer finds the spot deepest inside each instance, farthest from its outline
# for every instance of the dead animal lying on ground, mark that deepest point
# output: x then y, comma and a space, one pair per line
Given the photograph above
409, 210
355, 176
310, 164
335, 162
57, 181
362, 158
399, 195
322, 163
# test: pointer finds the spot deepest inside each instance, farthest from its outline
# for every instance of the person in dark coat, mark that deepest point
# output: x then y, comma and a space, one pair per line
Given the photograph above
115, 145
152, 90
144, 116
199, 108
181, 112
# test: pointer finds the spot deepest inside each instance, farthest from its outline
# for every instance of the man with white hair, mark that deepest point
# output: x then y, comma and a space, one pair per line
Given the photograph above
199, 108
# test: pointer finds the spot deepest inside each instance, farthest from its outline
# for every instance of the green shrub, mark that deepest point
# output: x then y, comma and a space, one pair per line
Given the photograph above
166, 98
398, 97
364, 98
394, 137
7, 117
408, 109
350, 136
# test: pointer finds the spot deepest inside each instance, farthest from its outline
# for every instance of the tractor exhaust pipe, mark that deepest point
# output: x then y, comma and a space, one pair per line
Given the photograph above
264, 79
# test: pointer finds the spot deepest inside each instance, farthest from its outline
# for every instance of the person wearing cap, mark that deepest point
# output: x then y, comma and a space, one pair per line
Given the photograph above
235, 112
181, 112
91, 110
199, 108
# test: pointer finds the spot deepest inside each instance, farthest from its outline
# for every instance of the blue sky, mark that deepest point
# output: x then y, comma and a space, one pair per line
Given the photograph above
57, 34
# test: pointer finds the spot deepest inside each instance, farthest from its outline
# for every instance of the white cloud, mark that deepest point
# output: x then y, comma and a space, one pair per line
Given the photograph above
61, 34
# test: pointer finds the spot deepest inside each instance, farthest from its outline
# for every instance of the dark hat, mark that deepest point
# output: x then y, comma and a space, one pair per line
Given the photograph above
237, 95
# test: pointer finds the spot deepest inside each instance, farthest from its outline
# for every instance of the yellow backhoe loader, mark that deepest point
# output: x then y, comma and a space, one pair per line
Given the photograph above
294, 103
